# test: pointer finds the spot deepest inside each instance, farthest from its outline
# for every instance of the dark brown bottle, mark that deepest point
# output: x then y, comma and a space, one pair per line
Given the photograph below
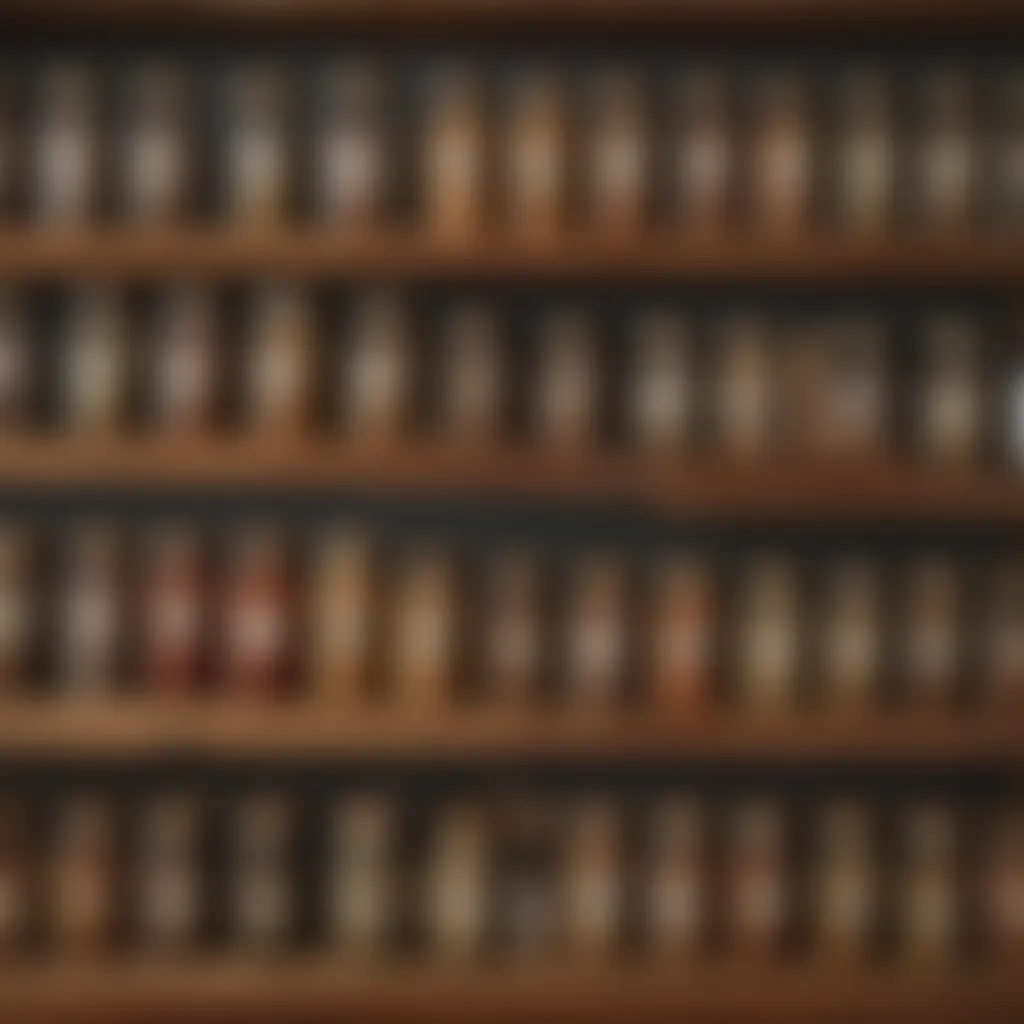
17, 878
17, 373
19, 609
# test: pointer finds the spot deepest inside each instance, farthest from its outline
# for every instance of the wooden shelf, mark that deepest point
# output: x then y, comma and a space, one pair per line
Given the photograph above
135, 254
667, 487
212, 730
325, 990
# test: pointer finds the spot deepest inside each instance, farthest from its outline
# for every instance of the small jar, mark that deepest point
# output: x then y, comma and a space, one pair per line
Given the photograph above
592, 898
782, 158
1001, 883
455, 158
184, 368
1002, 635
262, 903
425, 637
595, 638
683, 619
769, 627
10, 150
173, 602
342, 616
19, 609
512, 630
170, 904
759, 905
807, 379
471, 387
618, 161
537, 159
931, 638
17, 889
1012, 399
929, 913
155, 172
744, 392
858, 412
258, 610
362, 884
95, 368
567, 387
91, 622
1007, 154
864, 162
376, 386
950, 410
17, 373
845, 883
256, 173
662, 389
703, 156
943, 184
64, 162
353, 159
84, 904
279, 370
456, 884
676, 904
851, 617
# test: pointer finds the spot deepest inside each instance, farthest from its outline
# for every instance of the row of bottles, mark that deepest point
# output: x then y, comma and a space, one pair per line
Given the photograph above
514, 876
859, 150
744, 384
428, 628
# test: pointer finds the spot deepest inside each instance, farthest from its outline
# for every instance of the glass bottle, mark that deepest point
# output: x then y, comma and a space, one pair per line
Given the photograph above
662, 385
19, 608
931, 638
743, 391
567, 386
471, 388
17, 372
944, 182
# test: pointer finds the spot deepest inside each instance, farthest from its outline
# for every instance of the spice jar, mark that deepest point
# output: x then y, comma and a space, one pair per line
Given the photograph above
456, 881
83, 867
703, 154
362, 884
1008, 155
864, 161
170, 896
279, 368
425, 637
16, 369
64, 162
512, 630
850, 636
10, 149
758, 908
618, 162
807, 375
262, 907
566, 391
929, 918
19, 611
1002, 635
184, 368
1001, 883
91, 613
352, 163
590, 882
95, 367
1012, 399
845, 886
782, 157
770, 635
17, 859
857, 414
595, 651
455, 157
342, 616
944, 161
537, 159
681, 655
676, 908
173, 611
258, 608
377, 373
932, 635
257, 175
744, 391
662, 385
155, 159
471, 387
950, 413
